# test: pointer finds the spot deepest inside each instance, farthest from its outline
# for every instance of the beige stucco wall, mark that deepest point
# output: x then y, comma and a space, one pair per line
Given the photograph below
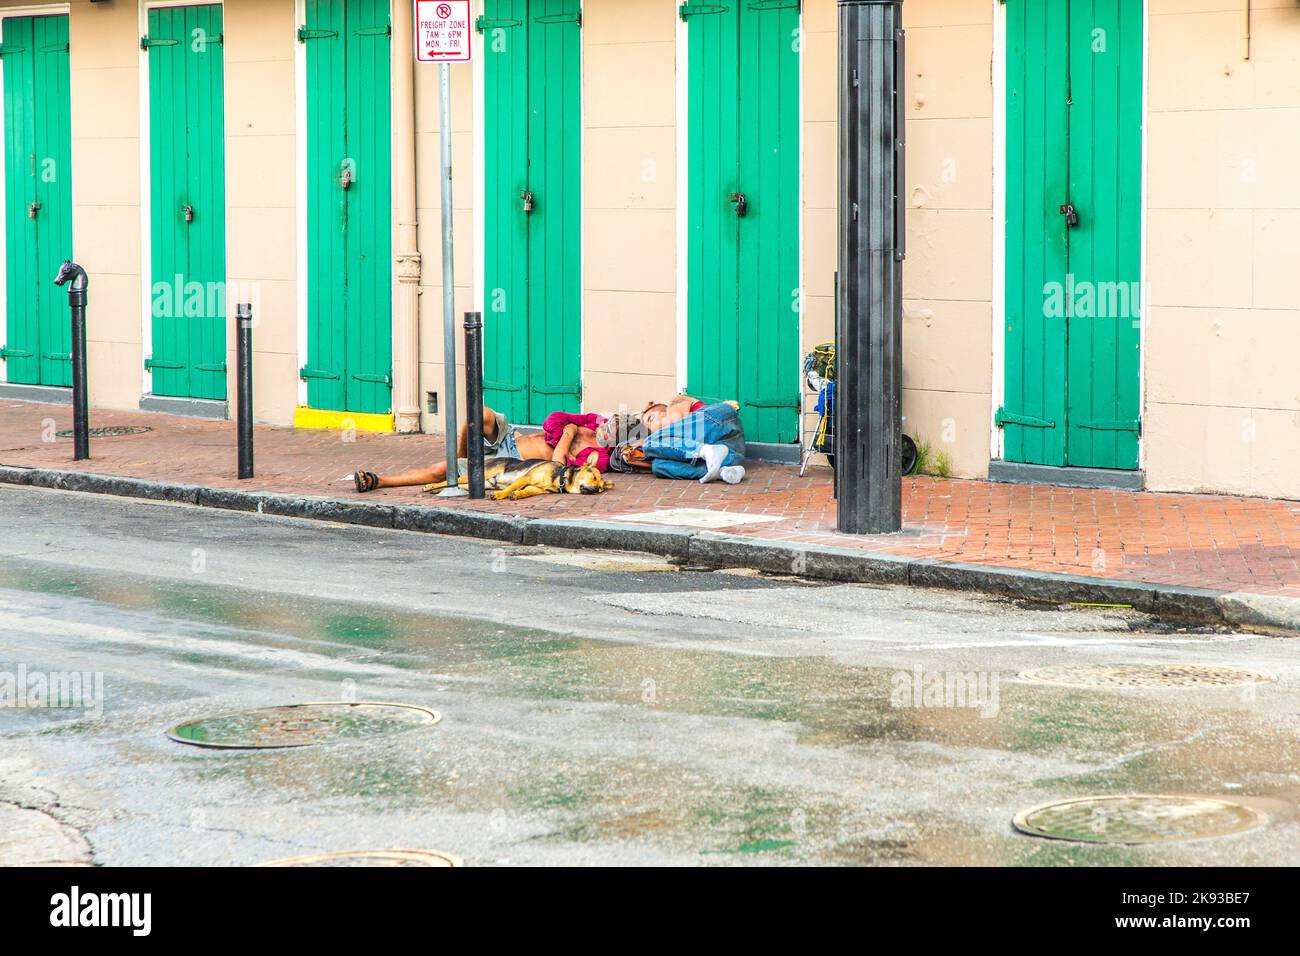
105, 92
466, 188
261, 197
1222, 338
947, 277
1222, 343
629, 202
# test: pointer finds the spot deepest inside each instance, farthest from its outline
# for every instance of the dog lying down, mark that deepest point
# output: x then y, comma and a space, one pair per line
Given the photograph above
514, 479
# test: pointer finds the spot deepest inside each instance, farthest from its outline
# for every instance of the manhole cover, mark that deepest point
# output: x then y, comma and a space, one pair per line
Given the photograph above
299, 725
1136, 818
371, 858
111, 431
1145, 675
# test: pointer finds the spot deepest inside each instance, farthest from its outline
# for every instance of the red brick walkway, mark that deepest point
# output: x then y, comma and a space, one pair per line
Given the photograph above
1210, 541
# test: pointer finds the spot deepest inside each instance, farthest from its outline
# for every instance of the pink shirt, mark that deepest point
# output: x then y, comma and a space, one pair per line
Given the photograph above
553, 429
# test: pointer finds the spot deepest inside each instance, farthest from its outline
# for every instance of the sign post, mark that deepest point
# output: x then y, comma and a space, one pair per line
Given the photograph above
444, 34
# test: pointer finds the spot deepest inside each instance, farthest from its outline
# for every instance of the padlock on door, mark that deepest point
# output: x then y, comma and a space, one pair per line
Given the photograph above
527, 199
188, 212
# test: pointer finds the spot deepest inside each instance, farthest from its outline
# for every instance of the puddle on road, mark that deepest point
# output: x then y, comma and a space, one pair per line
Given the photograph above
635, 742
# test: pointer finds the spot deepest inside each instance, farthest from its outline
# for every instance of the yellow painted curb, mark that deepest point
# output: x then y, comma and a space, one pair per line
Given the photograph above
304, 417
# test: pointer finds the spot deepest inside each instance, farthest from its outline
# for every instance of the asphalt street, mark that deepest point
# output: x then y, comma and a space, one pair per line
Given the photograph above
595, 707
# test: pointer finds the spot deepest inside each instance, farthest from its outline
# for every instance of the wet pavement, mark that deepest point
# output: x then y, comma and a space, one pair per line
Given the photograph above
595, 708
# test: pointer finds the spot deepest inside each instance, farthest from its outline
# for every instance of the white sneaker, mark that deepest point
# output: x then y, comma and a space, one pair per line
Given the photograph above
732, 474
714, 456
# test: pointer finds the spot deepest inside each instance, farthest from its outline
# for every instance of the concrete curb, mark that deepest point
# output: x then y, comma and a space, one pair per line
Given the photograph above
707, 548
608, 535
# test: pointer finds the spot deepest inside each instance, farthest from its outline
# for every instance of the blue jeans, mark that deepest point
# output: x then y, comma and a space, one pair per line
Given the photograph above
674, 451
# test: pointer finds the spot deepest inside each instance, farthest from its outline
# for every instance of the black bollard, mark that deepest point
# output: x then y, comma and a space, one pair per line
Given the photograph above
474, 401
244, 375
71, 272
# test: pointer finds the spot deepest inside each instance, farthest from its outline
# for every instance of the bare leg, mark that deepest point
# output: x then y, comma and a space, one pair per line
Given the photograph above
416, 476
489, 432
423, 476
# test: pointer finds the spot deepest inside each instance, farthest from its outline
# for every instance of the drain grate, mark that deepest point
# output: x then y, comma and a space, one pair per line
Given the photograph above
109, 431
1132, 819
371, 858
1145, 675
301, 725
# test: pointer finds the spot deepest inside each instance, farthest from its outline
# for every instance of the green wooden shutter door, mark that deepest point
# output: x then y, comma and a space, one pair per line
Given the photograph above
768, 297
1037, 252
187, 201
554, 226
505, 344
742, 272
1105, 248
38, 167
349, 237
1074, 100
533, 280
713, 229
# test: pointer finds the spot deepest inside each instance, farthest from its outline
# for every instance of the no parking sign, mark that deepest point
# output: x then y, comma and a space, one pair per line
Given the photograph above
443, 31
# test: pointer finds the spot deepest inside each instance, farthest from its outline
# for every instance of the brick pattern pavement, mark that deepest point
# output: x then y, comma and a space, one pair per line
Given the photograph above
1212, 541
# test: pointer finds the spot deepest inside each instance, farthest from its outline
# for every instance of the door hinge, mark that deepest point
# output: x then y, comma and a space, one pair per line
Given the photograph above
384, 31
8, 48
56, 48
772, 403
700, 9
1005, 417
775, 5
560, 18
14, 353
483, 24
152, 363
378, 378
306, 372
146, 42
1116, 425
557, 390
305, 34
502, 387
211, 367
57, 356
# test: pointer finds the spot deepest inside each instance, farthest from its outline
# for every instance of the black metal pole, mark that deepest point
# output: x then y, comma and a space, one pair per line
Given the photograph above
244, 375
474, 401
869, 306
71, 272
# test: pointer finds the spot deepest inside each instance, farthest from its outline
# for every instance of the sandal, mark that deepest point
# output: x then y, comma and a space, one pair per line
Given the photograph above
365, 481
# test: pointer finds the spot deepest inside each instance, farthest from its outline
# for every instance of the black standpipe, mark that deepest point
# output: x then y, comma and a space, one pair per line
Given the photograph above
869, 286
71, 272
244, 385
474, 401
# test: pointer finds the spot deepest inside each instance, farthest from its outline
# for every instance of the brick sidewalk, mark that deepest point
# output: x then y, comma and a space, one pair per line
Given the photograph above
1209, 541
